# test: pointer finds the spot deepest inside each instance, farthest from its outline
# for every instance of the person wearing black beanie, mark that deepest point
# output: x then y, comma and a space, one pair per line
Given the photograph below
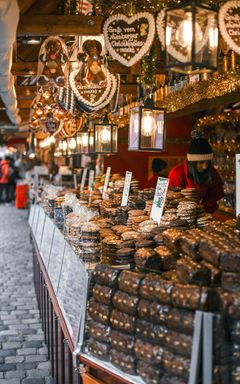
198, 172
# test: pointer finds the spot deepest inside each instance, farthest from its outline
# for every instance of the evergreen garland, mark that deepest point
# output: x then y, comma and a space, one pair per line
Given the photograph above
147, 77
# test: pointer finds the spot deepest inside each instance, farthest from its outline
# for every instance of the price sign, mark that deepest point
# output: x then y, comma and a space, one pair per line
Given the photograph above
159, 199
91, 181
126, 189
106, 181
238, 184
75, 180
84, 175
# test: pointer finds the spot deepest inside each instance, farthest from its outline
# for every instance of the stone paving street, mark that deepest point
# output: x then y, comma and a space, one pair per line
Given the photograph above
23, 354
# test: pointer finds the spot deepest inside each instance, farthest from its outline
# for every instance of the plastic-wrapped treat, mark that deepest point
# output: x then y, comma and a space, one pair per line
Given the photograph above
121, 341
151, 374
150, 332
146, 258
106, 275
122, 321
126, 363
179, 343
100, 350
191, 297
190, 272
150, 353
153, 311
167, 259
169, 379
125, 302
171, 238
176, 365
181, 320
154, 287
230, 261
99, 312
129, 281
189, 245
231, 281
230, 304
216, 274
210, 251
103, 294
99, 331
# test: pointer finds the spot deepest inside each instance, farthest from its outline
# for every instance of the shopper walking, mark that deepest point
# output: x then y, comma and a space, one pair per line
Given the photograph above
4, 179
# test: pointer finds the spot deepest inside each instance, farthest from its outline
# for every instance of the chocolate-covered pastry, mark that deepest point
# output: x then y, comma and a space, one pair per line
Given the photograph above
154, 287
194, 297
129, 281
100, 350
103, 294
99, 331
230, 304
150, 353
127, 363
189, 245
145, 244
150, 332
122, 321
178, 343
230, 261
99, 312
121, 341
181, 320
147, 258
216, 274
151, 374
169, 379
171, 238
153, 311
125, 302
167, 259
231, 281
190, 272
176, 365
105, 275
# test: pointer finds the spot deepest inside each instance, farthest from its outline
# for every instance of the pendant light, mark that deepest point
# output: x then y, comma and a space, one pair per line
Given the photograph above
105, 136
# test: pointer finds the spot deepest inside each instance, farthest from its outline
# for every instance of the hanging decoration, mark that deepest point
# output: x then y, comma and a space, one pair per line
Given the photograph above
229, 16
128, 39
225, 118
91, 82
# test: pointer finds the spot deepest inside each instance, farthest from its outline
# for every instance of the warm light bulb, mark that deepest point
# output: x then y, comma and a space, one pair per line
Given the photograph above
85, 139
168, 35
105, 135
32, 156
91, 140
147, 123
72, 143
213, 37
64, 145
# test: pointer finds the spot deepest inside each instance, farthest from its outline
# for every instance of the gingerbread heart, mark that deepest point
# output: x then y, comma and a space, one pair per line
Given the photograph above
229, 23
128, 39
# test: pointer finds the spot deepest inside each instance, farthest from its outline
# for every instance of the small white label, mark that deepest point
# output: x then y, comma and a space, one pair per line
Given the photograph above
91, 181
159, 199
126, 189
238, 184
75, 180
84, 175
106, 181
194, 78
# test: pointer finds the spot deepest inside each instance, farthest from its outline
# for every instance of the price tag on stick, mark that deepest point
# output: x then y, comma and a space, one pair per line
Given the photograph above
159, 199
91, 181
126, 189
106, 181
84, 175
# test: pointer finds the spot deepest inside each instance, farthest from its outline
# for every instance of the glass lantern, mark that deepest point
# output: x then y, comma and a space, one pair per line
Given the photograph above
71, 145
191, 38
147, 128
105, 137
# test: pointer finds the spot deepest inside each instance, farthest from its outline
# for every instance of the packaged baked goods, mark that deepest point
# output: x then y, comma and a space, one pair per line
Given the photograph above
193, 297
151, 374
129, 281
150, 353
176, 365
98, 311
122, 321
172, 237
154, 333
167, 258
216, 274
210, 251
106, 275
178, 343
146, 259
153, 311
103, 294
127, 363
99, 331
190, 272
98, 349
154, 287
189, 245
230, 304
230, 261
231, 281
180, 320
121, 341
125, 302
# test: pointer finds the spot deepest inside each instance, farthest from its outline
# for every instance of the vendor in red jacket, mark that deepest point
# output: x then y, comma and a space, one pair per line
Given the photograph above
198, 172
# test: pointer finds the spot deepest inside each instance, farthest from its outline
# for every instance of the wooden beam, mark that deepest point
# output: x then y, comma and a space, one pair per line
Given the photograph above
59, 25
25, 5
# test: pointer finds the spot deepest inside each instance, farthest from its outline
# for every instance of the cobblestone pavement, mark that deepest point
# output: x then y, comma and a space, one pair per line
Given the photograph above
23, 354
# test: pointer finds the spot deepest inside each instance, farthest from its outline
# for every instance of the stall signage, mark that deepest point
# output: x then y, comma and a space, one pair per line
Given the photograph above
238, 184
159, 199
229, 24
91, 181
128, 39
126, 189
84, 175
106, 181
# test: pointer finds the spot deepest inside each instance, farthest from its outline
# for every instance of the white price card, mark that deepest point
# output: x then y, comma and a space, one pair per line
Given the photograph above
159, 199
106, 181
75, 180
238, 184
84, 175
126, 189
91, 181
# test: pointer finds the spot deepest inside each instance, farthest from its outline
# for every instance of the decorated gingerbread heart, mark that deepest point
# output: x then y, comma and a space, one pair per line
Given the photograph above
229, 23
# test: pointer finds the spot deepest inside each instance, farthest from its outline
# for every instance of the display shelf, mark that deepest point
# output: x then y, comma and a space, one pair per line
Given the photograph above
47, 238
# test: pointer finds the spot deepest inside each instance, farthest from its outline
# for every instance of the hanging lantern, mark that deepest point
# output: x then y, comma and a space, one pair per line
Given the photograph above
105, 136
147, 128
191, 38
71, 145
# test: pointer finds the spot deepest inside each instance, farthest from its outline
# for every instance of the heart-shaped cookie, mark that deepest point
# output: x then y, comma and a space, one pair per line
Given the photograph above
229, 23
128, 39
